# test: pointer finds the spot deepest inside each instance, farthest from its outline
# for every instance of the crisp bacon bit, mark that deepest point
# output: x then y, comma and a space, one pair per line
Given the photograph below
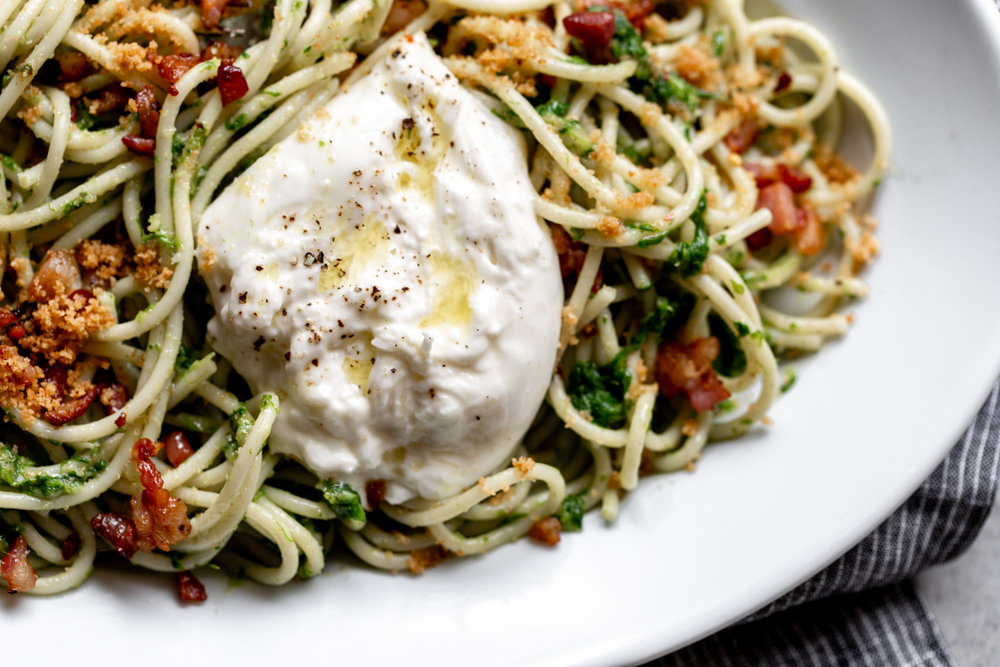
375, 492
808, 237
160, 519
174, 66
178, 447
15, 568
424, 559
593, 29
571, 257
114, 397
689, 370
743, 136
547, 531
211, 12
760, 239
111, 99
784, 81
779, 199
57, 274
17, 332
139, 145
149, 112
72, 409
118, 531
232, 84
400, 15
189, 588
70, 546
121, 420
220, 50
72, 65
7, 317
635, 11
796, 179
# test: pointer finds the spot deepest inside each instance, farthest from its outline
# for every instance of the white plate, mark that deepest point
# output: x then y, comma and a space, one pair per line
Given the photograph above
867, 421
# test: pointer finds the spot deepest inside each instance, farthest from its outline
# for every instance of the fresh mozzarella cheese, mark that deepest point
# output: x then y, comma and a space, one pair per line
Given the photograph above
382, 270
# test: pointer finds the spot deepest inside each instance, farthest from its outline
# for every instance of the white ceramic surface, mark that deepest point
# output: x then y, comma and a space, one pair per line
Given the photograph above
868, 420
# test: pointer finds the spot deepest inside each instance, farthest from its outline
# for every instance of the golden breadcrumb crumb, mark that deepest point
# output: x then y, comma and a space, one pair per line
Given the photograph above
524, 464
696, 63
149, 270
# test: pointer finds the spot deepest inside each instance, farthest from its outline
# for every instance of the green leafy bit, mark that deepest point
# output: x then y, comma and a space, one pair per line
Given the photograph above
650, 241
627, 43
71, 474
573, 135
789, 380
508, 116
186, 357
236, 123
268, 401
600, 391
165, 239
732, 360
241, 422
9, 163
176, 147
195, 423
718, 42
342, 499
689, 256
742, 329
570, 513
230, 447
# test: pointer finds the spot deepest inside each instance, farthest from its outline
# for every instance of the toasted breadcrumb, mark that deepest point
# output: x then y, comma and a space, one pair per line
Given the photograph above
63, 324
865, 249
149, 271
696, 63
422, 559
833, 166
610, 226
524, 464
105, 262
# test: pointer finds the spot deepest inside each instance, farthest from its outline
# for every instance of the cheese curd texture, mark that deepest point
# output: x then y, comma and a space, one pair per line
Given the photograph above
383, 271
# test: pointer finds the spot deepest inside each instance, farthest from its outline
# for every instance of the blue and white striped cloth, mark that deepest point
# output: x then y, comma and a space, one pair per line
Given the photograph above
863, 609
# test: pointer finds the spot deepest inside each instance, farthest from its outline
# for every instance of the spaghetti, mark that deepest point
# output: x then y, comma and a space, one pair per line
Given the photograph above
684, 157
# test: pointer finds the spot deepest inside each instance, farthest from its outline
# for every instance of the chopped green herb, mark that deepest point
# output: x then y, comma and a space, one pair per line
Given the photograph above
342, 499
718, 42
650, 241
689, 256
508, 116
573, 135
9, 163
268, 401
163, 238
600, 391
627, 43
790, 378
73, 472
186, 356
241, 422
236, 123
732, 360
570, 513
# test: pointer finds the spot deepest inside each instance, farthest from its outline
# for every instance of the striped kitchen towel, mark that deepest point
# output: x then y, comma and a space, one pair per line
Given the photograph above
863, 609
